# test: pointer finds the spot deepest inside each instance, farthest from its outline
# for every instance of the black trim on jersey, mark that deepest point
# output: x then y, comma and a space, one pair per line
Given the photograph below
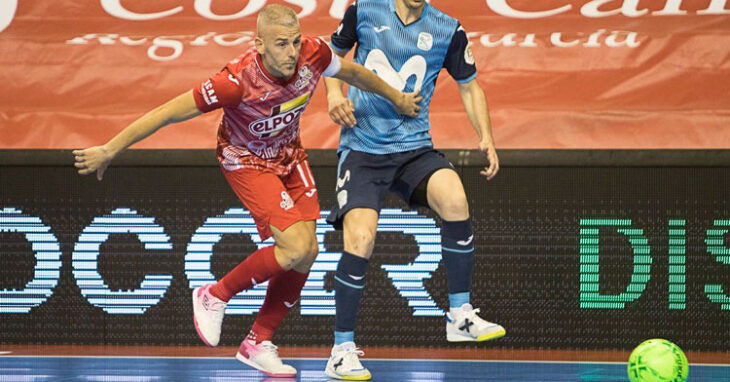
455, 63
347, 36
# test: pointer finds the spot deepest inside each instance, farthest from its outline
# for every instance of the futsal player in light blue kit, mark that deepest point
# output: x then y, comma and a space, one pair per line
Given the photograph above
407, 43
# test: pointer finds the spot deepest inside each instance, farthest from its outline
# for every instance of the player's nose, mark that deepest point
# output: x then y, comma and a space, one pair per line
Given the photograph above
291, 51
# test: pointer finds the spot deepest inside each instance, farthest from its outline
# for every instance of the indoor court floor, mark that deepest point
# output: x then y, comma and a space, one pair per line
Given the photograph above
25, 364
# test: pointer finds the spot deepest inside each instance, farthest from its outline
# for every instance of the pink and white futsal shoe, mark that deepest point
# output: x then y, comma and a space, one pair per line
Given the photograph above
265, 358
208, 312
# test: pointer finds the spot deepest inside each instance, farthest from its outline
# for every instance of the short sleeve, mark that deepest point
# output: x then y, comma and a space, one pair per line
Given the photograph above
325, 58
459, 60
221, 90
345, 36
333, 68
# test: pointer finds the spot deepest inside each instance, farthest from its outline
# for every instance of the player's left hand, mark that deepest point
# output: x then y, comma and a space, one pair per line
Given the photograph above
487, 147
94, 159
408, 104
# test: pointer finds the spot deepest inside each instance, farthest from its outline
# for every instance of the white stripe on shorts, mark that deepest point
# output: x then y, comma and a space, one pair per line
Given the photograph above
301, 174
309, 171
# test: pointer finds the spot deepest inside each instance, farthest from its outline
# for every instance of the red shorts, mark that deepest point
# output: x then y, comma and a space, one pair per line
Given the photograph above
276, 200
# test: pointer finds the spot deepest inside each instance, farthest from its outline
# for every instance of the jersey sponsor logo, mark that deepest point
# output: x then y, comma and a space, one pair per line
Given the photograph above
311, 192
425, 41
378, 62
305, 75
265, 96
208, 93
282, 116
290, 304
381, 28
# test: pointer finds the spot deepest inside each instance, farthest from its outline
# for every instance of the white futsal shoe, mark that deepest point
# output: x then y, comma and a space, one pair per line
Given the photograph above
265, 358
463, 324
344, 363
208, 312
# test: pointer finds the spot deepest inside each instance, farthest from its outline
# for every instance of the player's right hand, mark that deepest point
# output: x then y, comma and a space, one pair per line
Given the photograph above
342, 111
408, 104
94, 159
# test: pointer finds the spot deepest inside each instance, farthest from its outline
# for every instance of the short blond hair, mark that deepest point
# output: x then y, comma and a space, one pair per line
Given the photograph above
276, 14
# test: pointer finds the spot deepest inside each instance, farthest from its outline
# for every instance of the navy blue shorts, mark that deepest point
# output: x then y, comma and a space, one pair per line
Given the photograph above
364, 179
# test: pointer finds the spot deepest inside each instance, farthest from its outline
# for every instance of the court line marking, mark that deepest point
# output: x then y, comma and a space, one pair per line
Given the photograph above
364, 359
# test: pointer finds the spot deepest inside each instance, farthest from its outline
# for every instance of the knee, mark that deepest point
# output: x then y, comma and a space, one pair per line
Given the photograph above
359, 241
454, 208
301, 250
306, 248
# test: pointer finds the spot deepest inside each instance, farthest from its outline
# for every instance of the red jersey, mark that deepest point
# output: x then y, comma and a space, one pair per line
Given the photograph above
260, 125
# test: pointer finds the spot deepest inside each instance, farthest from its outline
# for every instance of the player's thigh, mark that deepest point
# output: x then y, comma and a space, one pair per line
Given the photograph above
358, 230
266, 197
293, 235
363, 181
303, 190
446, 196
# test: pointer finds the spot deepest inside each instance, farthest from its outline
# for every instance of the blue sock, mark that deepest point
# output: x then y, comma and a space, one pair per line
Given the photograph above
457, 248
456, 300
342, 337
349, 284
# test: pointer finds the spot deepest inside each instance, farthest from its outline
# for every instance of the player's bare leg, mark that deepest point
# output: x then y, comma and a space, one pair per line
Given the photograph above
447, 198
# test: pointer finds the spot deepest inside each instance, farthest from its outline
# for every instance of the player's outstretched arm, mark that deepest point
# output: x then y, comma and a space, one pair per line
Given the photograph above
475, 104
356, 75
97, 158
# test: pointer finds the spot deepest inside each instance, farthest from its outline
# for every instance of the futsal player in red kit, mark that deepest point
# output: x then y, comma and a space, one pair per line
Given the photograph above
263, 93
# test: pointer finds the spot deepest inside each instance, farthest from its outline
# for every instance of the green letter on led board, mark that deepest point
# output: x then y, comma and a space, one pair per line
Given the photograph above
590, 298
716, 246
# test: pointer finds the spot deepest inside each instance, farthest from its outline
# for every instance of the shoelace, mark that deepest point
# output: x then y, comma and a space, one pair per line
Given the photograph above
351, 362
217, 306
272, 351
478, 321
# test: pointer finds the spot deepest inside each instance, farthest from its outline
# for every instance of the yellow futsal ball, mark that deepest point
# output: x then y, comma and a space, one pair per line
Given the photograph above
658, 360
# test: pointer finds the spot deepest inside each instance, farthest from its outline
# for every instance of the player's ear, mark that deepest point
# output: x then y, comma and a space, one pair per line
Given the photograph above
259, 44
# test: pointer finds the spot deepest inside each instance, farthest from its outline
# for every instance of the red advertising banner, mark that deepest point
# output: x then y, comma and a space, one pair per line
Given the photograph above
597, 74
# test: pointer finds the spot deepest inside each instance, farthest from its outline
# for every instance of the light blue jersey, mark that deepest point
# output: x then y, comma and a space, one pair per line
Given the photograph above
408, 57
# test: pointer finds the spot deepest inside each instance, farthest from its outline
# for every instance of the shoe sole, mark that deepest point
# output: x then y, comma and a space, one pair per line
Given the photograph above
195, 320
248, 362
451, 337
333, 375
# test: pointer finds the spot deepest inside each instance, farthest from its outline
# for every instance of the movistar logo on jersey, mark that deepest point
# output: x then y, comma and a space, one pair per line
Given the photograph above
414, 66
282, 116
